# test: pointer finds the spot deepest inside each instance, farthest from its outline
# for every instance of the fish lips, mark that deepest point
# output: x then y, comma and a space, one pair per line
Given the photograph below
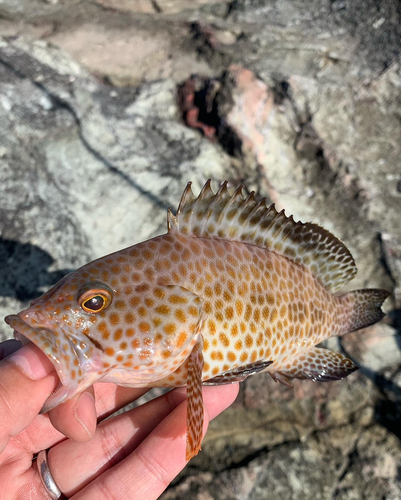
45, 339
26, 333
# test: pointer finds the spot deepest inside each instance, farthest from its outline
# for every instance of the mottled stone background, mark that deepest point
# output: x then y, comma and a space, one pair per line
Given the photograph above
108, 108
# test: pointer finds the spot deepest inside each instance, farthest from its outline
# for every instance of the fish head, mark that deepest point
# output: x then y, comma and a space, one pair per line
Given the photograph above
58, 324
93, 328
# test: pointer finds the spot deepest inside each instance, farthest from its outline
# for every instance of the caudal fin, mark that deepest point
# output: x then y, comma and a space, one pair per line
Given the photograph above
365, 307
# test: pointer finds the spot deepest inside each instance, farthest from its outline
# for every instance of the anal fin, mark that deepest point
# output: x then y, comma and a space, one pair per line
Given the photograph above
238, 374
319, 365
194, 400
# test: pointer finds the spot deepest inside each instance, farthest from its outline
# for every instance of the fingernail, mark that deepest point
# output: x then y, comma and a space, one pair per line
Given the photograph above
32, 362
84, 411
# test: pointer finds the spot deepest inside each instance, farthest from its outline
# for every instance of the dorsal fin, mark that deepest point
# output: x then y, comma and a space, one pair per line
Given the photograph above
238, 218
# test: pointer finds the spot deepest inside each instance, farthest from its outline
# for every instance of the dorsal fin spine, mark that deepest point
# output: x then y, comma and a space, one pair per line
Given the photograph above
171, 221
206, 190
187, 197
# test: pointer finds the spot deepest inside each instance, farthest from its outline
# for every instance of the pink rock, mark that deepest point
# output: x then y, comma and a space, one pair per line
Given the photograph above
253, 108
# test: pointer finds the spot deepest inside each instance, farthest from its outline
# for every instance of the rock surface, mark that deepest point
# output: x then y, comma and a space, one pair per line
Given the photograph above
299, 102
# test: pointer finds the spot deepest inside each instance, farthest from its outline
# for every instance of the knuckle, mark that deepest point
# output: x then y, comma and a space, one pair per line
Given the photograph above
111, 444
154, 468
107, 490
6, 411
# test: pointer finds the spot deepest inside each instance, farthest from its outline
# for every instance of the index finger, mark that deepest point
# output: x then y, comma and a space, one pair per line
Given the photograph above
27, 378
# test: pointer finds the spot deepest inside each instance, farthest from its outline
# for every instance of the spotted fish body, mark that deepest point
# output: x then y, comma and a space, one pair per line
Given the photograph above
232, 289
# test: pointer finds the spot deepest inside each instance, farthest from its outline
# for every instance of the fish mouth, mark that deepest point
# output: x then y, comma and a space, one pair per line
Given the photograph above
48, 341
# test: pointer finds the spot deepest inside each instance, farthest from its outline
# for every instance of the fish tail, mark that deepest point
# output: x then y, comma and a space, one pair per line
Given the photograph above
364, 308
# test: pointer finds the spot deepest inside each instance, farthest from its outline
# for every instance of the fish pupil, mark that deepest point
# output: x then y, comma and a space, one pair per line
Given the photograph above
95, 303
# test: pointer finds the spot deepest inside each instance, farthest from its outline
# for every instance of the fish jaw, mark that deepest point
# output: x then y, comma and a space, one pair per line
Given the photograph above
78, 364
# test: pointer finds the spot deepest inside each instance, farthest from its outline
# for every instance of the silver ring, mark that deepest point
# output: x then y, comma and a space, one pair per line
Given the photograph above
46, 477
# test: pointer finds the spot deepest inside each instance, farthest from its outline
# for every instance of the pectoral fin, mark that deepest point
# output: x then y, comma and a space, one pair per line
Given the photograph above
319, 365
238, 374
194, 400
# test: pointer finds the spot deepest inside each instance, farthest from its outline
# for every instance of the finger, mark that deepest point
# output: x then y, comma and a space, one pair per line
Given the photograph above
27, 378
8, 347
147, 471
116, 438
113, 440
77, 417
111, 397
41, 434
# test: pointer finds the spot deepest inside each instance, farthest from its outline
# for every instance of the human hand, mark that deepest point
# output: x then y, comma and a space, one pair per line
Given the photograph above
132, 456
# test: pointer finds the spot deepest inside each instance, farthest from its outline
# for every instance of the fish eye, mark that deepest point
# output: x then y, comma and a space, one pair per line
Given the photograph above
94, 304
94, 300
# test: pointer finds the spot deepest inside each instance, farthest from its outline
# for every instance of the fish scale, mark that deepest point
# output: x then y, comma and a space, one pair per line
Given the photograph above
233, 288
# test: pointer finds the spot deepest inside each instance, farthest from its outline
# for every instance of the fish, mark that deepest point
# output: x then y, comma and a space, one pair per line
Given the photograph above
232, 289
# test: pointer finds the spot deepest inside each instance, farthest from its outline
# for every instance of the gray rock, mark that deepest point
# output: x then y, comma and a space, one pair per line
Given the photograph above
338, 463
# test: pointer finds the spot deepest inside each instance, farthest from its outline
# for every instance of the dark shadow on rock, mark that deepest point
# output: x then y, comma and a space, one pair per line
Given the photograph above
395, 319
387, 409
24, 270
387, 406
388, 414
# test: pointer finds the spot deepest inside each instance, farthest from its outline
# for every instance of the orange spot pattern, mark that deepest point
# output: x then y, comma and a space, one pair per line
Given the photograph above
248, 303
